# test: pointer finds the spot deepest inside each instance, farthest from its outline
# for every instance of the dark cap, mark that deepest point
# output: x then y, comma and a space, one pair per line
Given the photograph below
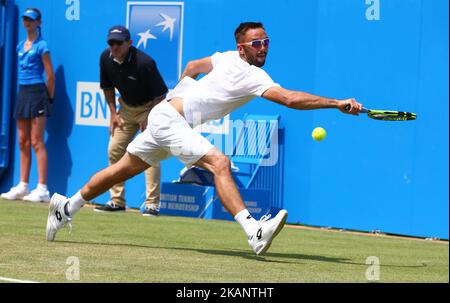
31, 13
118, 32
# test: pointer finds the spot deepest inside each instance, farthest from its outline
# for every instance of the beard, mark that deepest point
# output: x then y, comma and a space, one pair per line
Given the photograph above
257, 60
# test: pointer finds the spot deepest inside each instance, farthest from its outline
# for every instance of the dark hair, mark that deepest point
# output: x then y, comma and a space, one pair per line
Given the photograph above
244, 27
39, 17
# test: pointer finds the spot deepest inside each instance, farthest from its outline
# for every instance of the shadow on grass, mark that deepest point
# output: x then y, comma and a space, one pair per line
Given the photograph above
231, 253
248, 254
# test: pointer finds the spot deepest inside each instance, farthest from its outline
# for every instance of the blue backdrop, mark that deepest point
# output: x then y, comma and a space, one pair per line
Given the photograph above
366, 175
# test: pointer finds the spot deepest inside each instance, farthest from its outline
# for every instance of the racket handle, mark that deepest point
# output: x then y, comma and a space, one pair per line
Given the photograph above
363, 110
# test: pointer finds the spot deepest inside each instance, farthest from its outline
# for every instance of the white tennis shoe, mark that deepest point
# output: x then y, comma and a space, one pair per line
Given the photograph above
267, 230
17, 192
38, 195
57, 217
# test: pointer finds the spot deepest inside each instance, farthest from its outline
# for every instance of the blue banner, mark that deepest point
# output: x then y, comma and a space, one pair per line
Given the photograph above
157, 29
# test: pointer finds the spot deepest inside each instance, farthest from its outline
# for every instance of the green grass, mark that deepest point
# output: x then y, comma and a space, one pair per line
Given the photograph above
130, 248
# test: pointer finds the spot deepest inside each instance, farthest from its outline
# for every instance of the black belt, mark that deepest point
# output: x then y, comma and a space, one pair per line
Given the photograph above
154, 101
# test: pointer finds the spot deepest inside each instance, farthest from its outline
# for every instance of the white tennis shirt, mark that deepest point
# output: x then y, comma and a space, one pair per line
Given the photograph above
231, 83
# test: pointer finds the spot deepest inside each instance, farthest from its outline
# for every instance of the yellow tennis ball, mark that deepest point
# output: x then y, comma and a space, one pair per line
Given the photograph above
319, 134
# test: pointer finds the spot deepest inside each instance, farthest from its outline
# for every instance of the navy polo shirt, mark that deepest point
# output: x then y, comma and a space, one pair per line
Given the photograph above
137, 79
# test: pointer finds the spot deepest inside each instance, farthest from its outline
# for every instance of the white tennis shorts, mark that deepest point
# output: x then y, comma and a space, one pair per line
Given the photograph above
168, 134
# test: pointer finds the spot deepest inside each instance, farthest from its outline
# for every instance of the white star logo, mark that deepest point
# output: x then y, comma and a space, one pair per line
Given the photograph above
167, 23
144, 37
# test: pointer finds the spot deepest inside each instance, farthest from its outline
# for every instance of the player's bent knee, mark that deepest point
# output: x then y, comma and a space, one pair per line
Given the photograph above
221, 164
215, 162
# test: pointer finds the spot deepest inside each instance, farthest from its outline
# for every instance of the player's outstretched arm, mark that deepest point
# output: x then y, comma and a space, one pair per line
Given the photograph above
306, 101
197, 67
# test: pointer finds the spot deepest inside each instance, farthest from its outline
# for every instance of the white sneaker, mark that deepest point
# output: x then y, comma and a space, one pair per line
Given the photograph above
17, 192
267, 230
57, 218
38, 195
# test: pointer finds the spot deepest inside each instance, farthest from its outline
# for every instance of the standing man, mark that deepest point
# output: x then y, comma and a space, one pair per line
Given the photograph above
141, 87
232, 79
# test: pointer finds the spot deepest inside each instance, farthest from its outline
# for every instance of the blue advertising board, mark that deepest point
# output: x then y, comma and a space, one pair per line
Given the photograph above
257, 202
200, 201
185, 199
157, 28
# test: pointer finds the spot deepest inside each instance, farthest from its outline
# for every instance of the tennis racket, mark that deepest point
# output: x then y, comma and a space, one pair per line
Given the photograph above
386, 115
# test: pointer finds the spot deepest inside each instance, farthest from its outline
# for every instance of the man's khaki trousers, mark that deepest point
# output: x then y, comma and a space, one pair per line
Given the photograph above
131, 118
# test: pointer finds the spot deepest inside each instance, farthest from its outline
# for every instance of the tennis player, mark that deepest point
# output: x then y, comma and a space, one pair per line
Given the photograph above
231, 79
